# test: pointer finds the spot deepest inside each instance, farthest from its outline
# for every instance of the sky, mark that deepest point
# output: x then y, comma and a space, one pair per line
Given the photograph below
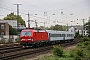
48, 11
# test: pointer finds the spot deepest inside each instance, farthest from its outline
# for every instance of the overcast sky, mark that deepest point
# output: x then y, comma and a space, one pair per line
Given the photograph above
80, 9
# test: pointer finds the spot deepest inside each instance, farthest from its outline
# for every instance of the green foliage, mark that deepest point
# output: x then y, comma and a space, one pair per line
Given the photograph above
18, 40
79, 44
57, 27
87, 26
53, 58
80, 53
57, 51
12, 16
77, 58
66, 55
10, 41
12, 31
88, 48
66, 58
86, 43
2, 40
77, 35
85, 39
51, 28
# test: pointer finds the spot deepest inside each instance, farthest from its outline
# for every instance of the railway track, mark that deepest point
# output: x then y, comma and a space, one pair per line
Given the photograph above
20, 53
23, 52
9, 44
9, 48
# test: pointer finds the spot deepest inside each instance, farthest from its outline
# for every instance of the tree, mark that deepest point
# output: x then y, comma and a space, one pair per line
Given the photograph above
12, 16
58, 27
89, 19
51, 28
87, 26
58, 51
12, 31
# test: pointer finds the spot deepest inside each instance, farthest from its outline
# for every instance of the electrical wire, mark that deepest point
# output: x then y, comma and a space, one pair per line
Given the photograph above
11, 9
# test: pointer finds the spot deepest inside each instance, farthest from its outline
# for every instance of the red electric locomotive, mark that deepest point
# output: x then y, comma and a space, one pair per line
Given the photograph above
30, 37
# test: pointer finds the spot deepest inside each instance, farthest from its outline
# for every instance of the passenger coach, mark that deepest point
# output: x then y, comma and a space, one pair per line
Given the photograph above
34, 37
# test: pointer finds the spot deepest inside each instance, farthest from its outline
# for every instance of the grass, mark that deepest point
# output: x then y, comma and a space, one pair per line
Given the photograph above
81, 52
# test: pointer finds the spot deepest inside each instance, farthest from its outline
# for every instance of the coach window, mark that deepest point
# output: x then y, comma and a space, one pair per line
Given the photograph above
54, 35
62, 35
67, 35
58, 35
72, 35
2, 26
50, 35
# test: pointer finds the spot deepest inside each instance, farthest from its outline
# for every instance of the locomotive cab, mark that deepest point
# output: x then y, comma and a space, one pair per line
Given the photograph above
26, 36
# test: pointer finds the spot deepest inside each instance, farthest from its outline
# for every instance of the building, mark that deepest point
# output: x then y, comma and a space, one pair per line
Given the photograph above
4, 28
78, 29
13, 23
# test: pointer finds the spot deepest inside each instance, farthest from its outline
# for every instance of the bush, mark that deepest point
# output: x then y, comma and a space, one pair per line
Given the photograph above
2, 41
18, 40
72, 54
77, 58
77, 35
86, 43
79, 53
88, 48
79, 44
57, 51
10, 41
86, 39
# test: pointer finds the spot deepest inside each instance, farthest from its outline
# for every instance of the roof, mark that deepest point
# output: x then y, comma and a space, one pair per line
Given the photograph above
3, 22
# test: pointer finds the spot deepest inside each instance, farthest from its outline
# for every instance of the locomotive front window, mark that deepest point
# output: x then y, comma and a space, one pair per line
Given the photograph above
26, 33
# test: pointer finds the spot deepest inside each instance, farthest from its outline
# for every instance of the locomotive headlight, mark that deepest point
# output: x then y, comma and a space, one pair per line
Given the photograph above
23, 39
29, 39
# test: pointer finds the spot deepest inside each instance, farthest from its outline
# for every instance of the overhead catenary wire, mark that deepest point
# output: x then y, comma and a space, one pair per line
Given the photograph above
55, 9
11, 9
20, 12
66, 7
32, 4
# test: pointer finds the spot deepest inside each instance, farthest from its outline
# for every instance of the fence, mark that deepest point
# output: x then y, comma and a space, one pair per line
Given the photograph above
8, 38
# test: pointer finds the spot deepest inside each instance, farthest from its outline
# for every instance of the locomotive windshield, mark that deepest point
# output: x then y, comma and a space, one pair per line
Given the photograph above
26, 33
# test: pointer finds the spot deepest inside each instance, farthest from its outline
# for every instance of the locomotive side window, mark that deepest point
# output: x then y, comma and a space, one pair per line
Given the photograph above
26, 33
